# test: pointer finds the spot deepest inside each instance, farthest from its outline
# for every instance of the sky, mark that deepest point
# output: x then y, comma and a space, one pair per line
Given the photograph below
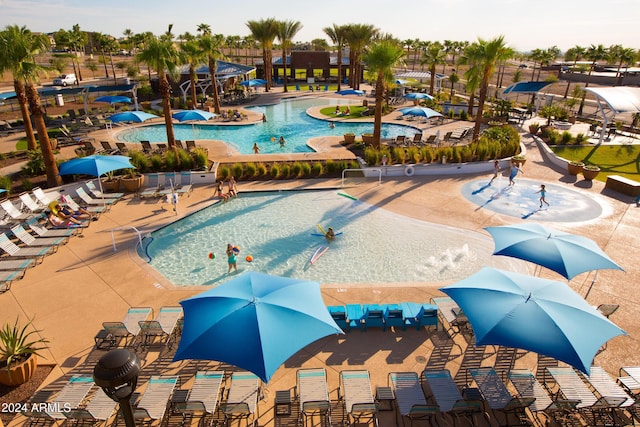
525, 25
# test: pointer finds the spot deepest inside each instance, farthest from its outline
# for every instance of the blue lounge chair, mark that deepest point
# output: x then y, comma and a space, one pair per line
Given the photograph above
420, 315
393, 316
339, 315
373, 317
355, 316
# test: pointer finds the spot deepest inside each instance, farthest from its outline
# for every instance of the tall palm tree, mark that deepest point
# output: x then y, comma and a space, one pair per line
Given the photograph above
19, 49
381, 57
78, 40
204, 28
536, 55
453, 79
337, 34
211, 46
574, 54
287, 30
265, 31
483, 56
622, 56
594, 54
434, 55
358, 36
192, 55
249, 44
161, 55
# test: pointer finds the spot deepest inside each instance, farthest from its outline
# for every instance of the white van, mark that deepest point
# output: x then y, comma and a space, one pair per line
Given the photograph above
65, 79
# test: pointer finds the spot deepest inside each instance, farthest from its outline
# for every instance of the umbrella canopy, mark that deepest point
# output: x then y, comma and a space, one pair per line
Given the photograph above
418, 95
255, 322
131, 116
564, 253
95, 165
254, 82
401, 82
187, 115
419, 111
113, 99
350, 92
531, 313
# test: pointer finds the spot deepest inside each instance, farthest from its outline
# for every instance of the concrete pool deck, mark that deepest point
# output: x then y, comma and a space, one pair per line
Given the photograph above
86, 283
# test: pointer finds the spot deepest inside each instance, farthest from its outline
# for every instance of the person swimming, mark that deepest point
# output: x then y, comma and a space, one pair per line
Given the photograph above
330, 234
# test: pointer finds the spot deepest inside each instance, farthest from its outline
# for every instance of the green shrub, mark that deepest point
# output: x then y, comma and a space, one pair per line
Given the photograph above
285, 171
353, 164
306, 169
262, 169
464, 115
317, 169
553, 137
331, 166
27, 184
170, 160
250, 170
139, 160
186, 160
223, 172
456, 155
296, 169
580, 138
237, 170
5, 182
200, 159
156, 162
566, 137
274, 171
35, 164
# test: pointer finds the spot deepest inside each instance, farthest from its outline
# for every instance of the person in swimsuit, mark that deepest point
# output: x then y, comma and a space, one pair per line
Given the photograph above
543, 195
330, 234
512, 174
220, 192
231, 258
496, 170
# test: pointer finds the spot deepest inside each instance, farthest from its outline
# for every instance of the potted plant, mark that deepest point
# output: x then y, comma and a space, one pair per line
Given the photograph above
349, 138
367, 138
575, 167
19, 353
533, 128
111, 183
132, 181
518, 160
590, 172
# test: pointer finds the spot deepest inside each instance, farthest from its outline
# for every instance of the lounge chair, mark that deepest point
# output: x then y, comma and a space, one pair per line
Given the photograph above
154, 401
71, 395
44, 198
31, 241
107, 148
417, 138
185, 183
95, 191
179, 189
90, 201
630, 379
419, 315
339, 315
456, 320
99, 408
313, 395
154, 189
203, 397
17, 252
355, 392
393, 316
355, 316
122, 147
129, 328
14, 212
410, 400
16, 264
93, 210
242, 399
7, 277
146, 147
615, 396
373, 317
497, 396
191, 145
572, 387
162, 328
442, 389
31, 204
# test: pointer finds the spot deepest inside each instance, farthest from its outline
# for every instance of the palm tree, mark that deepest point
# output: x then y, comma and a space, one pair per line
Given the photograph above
574, 54
381, 57
249, 44
453, 79
78, 40
536, 55
483, 57
434, 55
358, 36
622, 56
19, 49
161, 54
265, 31
594, 54
204, 28
210, 45
287, 30
337, 34
192, 54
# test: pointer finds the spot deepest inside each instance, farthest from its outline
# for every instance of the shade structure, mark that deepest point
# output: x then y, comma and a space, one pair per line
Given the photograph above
255, 321
419, 111
95, 165
350, 92
254, 82
531, 313
401, 82
526, 87
192, 115
418, 95
113, 99
131, 116
566, 254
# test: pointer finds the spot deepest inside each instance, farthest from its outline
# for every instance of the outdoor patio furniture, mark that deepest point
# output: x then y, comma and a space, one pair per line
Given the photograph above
442, 389
154, 189
242, 399
93, 210
615, 396
373, 317
107, 148
419, 315
313, 395
355, 316
30, 203
30, 241
43, 231
71, 395
99, 408
129, 327
17, 252
393, 316
410, 400
7, 277
162, 328
357, 397
630, 379
14, 212
455, 319
90, 201
153, 403
122, 147
339, 315
95, 191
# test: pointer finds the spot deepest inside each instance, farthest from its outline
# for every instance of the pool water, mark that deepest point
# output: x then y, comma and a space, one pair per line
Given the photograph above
288, 119
277, 229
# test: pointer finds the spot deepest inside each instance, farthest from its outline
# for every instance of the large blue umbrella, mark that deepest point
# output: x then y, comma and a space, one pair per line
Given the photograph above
254, 82
531, 313
419, 111
255, 322
189, 115
131, 116
113, 99
350, 92
95, 165
418, 95
564, 253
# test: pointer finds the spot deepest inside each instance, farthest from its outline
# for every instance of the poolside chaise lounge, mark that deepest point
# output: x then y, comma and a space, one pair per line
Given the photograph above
17, 252
630, 379
410, 400
154, 189
129, 327
93, 210
153, 403
393, 316
313, 395
203, 397
456, 320
99, 408
14, 212
90, 201
106, 147
31, 241
442, 389
162, 328
339, 315
242, 399
95, 191
71, 395
419, 315
43, 231
7, 277
616, 397
33, 205
373, 317
357, 397
184, 187
44, 198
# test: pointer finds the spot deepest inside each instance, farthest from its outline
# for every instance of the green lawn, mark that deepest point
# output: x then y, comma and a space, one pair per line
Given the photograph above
354, 110
621, 160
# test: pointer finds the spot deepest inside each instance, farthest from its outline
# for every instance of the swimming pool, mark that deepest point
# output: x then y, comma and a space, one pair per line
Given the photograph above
288, 118
276, 228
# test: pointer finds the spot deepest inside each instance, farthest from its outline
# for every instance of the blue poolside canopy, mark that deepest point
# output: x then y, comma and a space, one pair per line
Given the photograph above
418, 95
419, 111
95, 165
192, 115
526, 87
531, 313
566, 254
113, 99
350, 92
131, 116
254, 82
255, 321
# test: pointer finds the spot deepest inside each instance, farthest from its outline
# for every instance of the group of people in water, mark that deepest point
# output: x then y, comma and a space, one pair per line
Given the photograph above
231, 189
514, 170
281, 141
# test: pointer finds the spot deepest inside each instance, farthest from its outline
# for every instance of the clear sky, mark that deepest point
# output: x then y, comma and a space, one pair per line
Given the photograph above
526, 25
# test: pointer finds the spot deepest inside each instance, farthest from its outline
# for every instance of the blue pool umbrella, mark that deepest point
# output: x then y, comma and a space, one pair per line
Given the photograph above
113, 99
131, 116
255, 322
350, 92
566, 254
95, 165
531, 313
418, 95
192, 115
419, 111
254, 82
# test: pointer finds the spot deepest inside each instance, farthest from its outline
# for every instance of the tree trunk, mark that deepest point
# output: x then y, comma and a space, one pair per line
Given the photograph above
165, 93
377, 123
432, 82
113, 69
75, 58
339, 68
104, 62
32, 144
192, 81
214, 84
51, 168
266, 69
481, 97
470, 104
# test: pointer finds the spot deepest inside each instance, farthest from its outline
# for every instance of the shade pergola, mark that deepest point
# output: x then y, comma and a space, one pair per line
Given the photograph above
615, 100
526, 87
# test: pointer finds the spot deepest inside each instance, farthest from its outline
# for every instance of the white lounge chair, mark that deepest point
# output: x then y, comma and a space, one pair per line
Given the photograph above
43, 231
94, 210
162, 327
129, 327
44, 198
95, 191
204, 395
15, 251
496, 395
99, 408
31, 241
242, 400
14, 212
71, 395
355, 392
410, 400
443, 390
155, 399
7, 277
31, 204
90, 201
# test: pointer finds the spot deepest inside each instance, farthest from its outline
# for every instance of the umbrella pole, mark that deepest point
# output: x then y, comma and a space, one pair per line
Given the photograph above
593, 282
